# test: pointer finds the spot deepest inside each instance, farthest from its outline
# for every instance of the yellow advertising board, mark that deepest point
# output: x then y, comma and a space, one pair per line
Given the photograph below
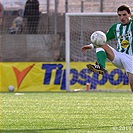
50, 76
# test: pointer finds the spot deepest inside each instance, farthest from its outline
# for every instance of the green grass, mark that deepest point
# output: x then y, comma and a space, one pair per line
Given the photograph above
75, 112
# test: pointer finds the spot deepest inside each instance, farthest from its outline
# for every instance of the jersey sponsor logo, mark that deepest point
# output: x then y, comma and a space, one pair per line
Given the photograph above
124, 43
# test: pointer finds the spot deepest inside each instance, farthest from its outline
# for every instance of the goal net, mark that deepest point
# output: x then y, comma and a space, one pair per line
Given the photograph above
79, 27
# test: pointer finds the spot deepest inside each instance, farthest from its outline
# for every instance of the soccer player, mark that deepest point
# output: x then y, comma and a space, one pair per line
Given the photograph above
122, 58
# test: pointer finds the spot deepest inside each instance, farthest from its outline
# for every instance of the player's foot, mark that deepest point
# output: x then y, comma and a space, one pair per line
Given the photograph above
96, 68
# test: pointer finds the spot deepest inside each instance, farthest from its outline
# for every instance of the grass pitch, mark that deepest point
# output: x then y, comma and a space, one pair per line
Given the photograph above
75, 112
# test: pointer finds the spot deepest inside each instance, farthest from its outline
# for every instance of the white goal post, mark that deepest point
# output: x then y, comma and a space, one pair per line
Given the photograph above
78, 28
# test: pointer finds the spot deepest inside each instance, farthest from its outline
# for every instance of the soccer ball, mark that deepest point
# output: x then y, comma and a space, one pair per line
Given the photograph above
10, 88
98, 38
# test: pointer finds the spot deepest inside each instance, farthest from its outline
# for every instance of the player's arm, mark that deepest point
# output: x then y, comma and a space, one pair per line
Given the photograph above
85, 47
110, 34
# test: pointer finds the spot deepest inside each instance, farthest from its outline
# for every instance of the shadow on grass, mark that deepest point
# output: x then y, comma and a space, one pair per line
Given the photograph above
72, 130
50, 130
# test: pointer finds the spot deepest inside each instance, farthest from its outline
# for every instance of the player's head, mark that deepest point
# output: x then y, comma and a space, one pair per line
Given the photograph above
124, 14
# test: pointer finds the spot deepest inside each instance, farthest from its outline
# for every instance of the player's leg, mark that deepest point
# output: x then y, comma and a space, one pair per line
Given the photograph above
101, 56
127, 62
130, 77
124, 61
102, 53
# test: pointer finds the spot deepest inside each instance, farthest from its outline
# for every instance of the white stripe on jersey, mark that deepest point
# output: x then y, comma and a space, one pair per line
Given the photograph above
130, 37
118, 34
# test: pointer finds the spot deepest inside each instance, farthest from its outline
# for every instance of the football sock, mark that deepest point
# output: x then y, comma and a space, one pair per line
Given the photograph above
101, 56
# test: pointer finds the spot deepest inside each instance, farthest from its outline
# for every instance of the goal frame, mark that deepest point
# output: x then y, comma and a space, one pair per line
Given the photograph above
67, 38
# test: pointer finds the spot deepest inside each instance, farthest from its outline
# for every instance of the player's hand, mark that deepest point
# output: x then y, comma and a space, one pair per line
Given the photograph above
86, 47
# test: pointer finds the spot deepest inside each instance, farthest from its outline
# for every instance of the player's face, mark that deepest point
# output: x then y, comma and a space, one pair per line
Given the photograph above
124, 17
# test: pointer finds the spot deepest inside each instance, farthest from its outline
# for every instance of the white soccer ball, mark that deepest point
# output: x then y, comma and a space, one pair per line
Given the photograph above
10, 88
98, 38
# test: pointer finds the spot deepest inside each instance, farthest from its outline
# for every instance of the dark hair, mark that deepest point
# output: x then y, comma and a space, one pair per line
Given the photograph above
124, 7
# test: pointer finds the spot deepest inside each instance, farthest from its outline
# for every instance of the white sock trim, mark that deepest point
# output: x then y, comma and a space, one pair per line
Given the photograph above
99, 49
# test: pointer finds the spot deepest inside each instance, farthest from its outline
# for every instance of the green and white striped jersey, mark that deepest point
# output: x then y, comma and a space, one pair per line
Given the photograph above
124, 36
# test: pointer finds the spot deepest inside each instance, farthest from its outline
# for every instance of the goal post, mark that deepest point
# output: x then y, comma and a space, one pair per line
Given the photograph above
78, 29
67, 48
